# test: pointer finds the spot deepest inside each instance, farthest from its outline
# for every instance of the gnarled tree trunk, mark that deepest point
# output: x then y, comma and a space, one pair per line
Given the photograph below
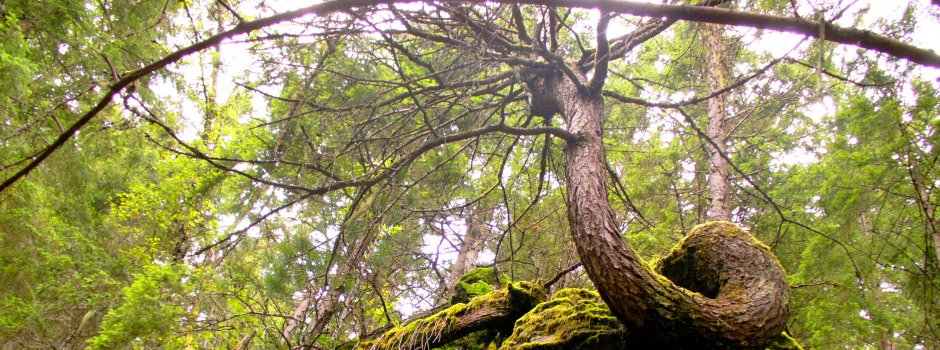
655, 309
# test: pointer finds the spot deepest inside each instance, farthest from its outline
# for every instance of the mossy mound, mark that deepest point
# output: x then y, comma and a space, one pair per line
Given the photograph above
573, 319
477, 282
494, 310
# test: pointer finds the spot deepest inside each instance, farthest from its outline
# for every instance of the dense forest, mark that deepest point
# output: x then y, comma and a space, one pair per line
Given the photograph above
541, 174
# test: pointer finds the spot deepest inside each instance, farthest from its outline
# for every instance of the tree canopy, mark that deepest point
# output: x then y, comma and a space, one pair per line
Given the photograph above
364, 174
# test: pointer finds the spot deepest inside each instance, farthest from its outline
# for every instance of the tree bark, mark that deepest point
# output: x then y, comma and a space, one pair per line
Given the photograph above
719, 208
657, 311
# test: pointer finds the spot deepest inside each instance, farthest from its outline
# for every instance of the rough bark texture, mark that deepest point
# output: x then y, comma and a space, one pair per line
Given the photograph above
719, 208
660, 312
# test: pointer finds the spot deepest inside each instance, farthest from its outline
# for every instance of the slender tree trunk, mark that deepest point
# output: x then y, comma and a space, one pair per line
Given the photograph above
329, 304
477, 233
719, 208
657, 311
886, 343
931, 223
930, 217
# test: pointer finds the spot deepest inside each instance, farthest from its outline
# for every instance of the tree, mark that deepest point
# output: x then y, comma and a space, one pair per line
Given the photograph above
718, 192
418, 97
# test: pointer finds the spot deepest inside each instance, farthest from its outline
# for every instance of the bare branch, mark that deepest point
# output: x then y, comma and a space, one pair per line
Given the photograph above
559, 275
602, 57
520, 25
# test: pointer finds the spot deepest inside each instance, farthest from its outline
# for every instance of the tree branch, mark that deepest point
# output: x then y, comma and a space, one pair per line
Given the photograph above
851, 36
602, 57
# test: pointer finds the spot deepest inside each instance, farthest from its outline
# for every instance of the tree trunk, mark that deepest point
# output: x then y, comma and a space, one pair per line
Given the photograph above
657, 311
329, 304
886, 343
718, 185
477, 233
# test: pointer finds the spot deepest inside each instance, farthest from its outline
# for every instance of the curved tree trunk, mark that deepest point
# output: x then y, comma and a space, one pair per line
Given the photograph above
645, 302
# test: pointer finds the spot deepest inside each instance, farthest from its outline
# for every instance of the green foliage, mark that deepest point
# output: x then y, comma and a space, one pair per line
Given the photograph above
147, 315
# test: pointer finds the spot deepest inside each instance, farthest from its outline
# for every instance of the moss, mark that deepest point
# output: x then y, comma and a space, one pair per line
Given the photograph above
784, 342
517, 297
477, 282
572, 319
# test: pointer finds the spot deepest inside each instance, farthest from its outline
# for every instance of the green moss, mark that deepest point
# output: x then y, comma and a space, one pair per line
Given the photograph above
573, 319
517, 297
477, 282
784, 342
482, 340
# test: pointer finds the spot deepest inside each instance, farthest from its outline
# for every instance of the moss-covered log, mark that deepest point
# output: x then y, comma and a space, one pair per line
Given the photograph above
496, 310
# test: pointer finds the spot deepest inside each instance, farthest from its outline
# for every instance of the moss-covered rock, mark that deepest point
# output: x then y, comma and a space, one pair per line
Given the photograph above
718, 265
477, 282
493, 311
573, 319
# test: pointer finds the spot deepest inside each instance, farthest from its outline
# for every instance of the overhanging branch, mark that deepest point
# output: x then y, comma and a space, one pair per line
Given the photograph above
851, 36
